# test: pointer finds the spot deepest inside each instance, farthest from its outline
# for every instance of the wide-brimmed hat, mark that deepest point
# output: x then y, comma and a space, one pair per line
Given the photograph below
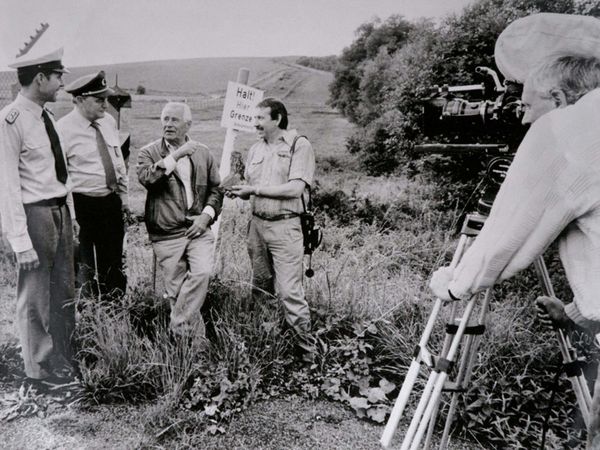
528, 41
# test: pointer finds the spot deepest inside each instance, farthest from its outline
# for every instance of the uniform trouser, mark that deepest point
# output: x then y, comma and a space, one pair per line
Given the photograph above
45, 310
276, 252
101, 230
186, 265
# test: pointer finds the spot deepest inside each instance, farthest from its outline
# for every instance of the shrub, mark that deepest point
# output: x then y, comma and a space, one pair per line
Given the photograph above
140, 90
327, 63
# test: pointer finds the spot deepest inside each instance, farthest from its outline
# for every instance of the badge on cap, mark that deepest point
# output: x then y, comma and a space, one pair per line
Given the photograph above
93, 84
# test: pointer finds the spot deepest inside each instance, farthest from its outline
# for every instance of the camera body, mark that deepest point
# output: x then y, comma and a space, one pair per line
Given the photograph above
464, 119
311, 233
489, 107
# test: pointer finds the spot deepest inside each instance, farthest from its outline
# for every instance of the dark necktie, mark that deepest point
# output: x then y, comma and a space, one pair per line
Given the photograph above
59, 159
109, 169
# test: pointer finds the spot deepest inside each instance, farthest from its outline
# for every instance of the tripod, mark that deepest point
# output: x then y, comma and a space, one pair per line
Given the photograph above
462, 337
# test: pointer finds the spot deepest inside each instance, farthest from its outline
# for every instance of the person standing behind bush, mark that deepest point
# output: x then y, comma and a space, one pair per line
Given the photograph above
97, 169
277, 180
183, 200
552, 189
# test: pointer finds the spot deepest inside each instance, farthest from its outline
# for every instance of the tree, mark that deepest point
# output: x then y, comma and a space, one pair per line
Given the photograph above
371, 38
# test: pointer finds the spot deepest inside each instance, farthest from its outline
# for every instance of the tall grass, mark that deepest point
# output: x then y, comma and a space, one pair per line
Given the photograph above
369, 302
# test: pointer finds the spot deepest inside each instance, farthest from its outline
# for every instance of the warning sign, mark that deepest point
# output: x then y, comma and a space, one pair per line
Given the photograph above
238, 111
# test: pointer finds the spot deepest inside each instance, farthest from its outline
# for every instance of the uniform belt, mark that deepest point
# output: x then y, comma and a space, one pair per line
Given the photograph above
58, 201
275, 217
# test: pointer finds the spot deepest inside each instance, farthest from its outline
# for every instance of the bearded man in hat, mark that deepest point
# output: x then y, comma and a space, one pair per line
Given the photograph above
557, 167
99, 178
36, 220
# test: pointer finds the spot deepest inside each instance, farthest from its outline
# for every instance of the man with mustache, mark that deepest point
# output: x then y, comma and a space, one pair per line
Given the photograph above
183, 200
97, 169
277, 183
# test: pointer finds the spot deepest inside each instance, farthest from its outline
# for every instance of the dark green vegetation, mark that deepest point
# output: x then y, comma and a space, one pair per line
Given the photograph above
382, 76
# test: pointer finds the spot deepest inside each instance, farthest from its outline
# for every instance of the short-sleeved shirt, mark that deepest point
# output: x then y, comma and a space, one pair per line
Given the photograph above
27, 172
274, 164
83, 158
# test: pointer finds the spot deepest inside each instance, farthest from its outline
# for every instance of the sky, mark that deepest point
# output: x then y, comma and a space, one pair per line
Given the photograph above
112, 31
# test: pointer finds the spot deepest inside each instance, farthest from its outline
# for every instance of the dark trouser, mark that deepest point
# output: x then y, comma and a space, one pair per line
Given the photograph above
45, 310
101, 229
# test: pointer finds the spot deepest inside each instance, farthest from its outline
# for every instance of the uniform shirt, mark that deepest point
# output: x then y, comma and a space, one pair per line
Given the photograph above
552, 190
183, 169
27, 172
273, 164
83, 158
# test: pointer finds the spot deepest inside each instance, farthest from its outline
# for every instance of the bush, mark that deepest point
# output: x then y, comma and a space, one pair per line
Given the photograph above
140, 90
327, 63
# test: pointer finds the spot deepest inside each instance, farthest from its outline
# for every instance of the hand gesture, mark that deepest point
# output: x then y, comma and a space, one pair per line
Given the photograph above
28, 260
185, 150
126, 215
242, 191
199, 225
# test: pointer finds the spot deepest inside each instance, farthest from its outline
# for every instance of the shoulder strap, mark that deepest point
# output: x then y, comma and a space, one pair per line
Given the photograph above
292, 150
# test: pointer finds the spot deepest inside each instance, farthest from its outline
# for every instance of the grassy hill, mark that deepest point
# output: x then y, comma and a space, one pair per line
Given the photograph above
199, 76
203, 77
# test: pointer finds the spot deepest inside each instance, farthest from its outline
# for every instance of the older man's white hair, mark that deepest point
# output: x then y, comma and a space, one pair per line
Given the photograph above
187, 112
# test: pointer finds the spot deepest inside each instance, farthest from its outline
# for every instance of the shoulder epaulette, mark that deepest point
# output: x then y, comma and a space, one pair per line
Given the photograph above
12, 116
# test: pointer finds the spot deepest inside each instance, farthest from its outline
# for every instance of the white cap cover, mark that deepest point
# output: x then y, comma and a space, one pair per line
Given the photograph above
528, 41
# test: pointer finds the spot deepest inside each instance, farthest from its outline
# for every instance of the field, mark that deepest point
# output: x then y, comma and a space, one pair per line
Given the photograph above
383, 237
305, 94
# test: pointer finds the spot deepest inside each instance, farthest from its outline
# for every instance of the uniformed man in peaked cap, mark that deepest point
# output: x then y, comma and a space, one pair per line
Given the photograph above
36, 221
99, 179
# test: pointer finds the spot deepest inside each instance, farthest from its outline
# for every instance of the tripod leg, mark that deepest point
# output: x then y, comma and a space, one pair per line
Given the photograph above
445, 348
413, 371
443, 375
580, 387
409, 382
464, 374
426, 395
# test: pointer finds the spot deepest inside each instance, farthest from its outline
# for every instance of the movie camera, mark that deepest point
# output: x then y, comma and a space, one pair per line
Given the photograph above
490, 110
489, 103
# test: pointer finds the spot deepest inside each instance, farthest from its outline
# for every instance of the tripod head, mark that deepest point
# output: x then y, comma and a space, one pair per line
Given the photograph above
499, 157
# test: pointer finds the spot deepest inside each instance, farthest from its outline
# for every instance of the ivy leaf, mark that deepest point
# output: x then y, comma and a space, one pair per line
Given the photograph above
210, 410
214, 429
363, 386
331, 385
376, 395
386, 386
377, 414
359, 403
